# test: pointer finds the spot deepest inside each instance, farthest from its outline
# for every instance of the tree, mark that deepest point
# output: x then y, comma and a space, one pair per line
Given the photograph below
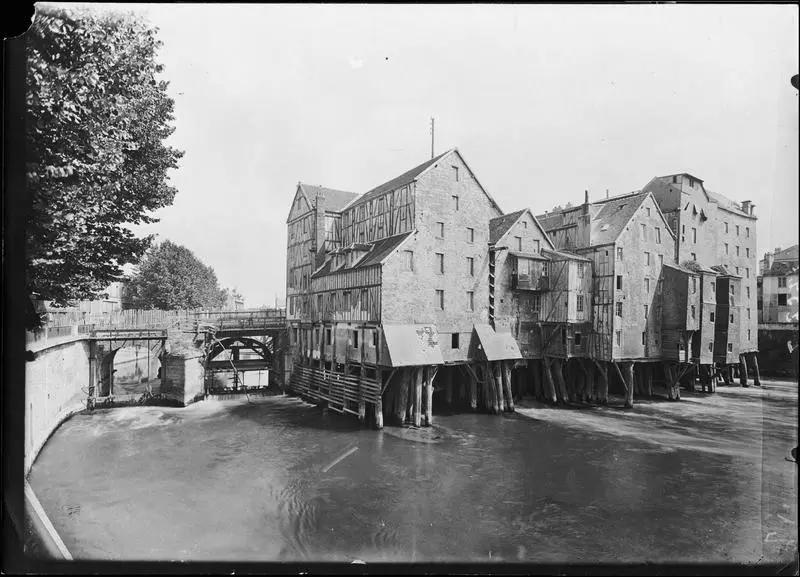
96, 161
171, 277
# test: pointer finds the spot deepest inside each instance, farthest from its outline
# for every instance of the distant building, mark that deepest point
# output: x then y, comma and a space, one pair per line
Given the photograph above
113, 299
779, 298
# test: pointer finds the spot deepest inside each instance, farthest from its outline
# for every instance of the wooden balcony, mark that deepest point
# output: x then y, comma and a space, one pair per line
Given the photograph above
527, 282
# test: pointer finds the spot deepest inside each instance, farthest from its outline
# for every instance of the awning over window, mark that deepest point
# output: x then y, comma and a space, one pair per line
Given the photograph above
494, 346
412, 345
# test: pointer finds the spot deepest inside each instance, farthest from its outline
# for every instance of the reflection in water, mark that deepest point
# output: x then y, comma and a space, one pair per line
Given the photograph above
277, 479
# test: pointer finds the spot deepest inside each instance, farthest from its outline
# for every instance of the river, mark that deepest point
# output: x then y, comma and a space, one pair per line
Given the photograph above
273, 478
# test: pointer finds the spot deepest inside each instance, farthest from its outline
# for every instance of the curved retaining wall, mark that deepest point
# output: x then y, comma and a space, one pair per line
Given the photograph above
56, 384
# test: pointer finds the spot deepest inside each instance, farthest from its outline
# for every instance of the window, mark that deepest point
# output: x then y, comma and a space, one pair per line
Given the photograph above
694, 312
726, 228
619, 282
319, 304
619, 253
455, 170
470, 235
730, 347
747, 234
737, 250
737, 230
747, 272
694, 256
439, 230
518, 242
711, 347
327, 336
737, 270
536, 246
346, 298
647, 285
580, 270
711, 317
355, 339
713, 287
454, 341
455, 202
647, 258
647, 209
408, 260
694, 284
646, 311
674, 180
525, 224
748, 334
733, 289
748, 292
644, 232
470, 300
747, 252
644, 338
619, 338
661, 260
471, 266
731, 318
781, 299
536, 304
658, 234
726, 248
440, 263
374, 338
578, 339
619, 309
781, 282
439, 299
694, 235
579, 303
364, 300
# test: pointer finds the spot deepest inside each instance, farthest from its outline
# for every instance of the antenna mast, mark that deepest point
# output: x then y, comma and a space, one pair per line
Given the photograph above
431, 136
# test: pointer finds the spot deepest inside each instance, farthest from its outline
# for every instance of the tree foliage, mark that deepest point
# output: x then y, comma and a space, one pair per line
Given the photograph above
171, 277
97, 119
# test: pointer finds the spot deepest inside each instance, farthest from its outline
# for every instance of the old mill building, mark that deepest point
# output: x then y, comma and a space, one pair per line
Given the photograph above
421, 292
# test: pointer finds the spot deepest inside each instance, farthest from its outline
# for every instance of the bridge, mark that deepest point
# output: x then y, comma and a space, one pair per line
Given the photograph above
228, 341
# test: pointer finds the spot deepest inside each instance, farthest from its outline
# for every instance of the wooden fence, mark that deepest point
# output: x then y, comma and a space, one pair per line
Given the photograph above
342, 392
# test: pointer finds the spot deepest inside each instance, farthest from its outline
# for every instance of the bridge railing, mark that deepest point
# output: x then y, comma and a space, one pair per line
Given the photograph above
137, 318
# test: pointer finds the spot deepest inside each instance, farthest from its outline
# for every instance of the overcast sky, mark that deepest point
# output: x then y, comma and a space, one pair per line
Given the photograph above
542, 101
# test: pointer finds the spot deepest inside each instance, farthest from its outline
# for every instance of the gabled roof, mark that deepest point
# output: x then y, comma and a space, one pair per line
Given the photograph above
682, 174
412, 175
722, 270
500, 225
782, 268
790, 253
727, 204
563, 255
378, 252
609, 222
335, 200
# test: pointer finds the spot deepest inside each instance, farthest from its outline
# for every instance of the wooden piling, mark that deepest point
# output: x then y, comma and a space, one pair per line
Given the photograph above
473, 392
498, 386
429, 376
549, 384
602, 389
743, 371
535, 369
417, 419
756, 374
378, 414
648, 377
628, 373
507, 386
561, 390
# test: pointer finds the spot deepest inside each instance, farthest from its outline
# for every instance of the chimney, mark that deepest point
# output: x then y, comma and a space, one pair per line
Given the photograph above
746, 207
606, 193
752, 209
586, 197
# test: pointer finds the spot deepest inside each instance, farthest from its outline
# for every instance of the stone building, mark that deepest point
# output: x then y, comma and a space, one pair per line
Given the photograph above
778, 304
714, 231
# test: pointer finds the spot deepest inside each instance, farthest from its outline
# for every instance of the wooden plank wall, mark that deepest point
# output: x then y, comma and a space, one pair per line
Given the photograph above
363, 286
337, 389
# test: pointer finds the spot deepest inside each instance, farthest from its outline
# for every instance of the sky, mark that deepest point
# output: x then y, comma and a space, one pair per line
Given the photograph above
543, 102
